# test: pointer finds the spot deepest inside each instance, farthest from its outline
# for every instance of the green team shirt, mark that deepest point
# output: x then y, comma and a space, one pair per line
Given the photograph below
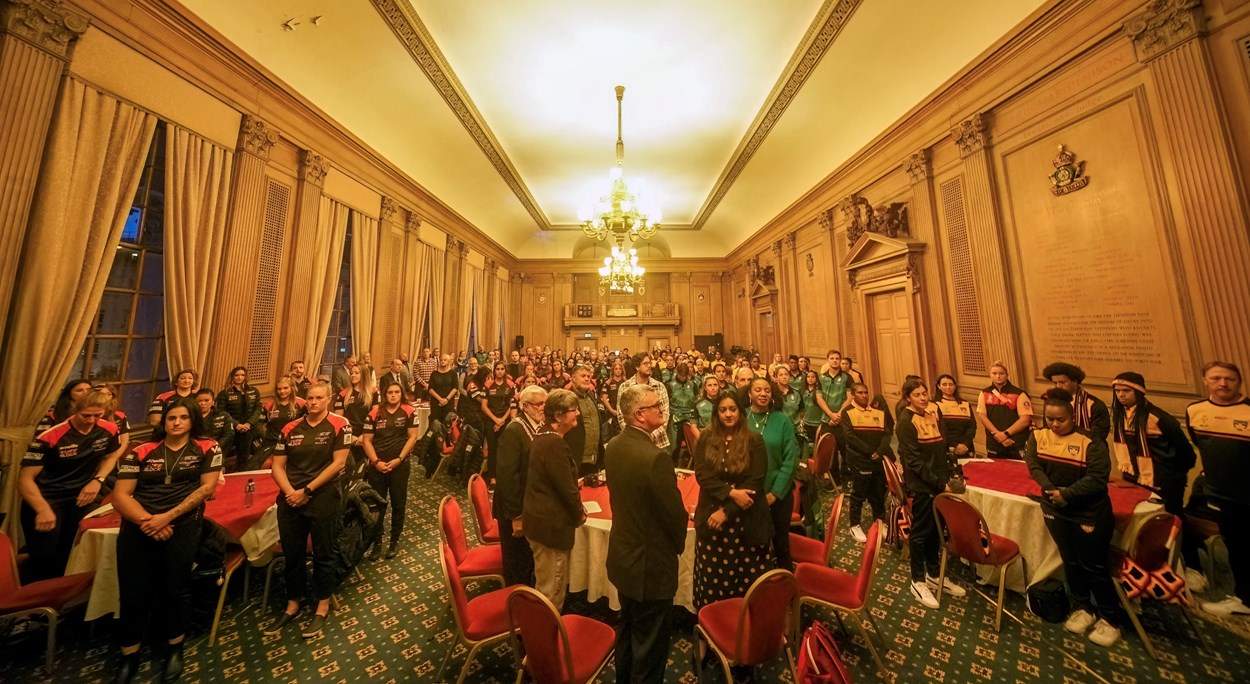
812, 415
703, 413
797, 382
833, 389
791, 404
681, 399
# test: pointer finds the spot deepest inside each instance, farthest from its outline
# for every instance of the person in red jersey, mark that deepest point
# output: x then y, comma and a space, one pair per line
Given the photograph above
59, 481
284, 407
161, 489
183, 388
61, 409
307, 463
389, 435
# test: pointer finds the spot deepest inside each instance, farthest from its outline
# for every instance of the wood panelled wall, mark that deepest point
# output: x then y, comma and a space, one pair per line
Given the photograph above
1143, 268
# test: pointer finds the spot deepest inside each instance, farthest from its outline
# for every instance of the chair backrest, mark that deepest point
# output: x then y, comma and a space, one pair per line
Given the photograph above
479, 500
893, 479
868, 564
451, 577
1153, 541
534, 616
766, 615
9, 582
964, 529
825, 446
451, 527
691, 433
831, 525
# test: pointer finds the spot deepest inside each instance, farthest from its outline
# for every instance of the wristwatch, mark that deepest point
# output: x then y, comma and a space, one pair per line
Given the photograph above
308, 491
99, 478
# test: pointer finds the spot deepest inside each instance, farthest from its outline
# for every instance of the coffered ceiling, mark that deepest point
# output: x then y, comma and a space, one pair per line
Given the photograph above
505, 110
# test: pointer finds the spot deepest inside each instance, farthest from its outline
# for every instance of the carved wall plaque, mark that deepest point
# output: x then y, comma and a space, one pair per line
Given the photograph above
888, 219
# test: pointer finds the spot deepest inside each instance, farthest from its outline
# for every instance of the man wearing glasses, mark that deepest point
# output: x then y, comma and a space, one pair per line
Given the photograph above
511, 467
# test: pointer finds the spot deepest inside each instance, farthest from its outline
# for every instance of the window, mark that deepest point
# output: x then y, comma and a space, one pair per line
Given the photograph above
126, 341
339, 336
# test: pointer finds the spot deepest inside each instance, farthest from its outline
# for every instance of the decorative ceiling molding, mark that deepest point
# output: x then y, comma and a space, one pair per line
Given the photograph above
402, 18
825, 28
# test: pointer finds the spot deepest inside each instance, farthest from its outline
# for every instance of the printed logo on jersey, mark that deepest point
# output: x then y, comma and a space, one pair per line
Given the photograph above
216, 458
127, 468
1074, 449
67, 451
1241, 425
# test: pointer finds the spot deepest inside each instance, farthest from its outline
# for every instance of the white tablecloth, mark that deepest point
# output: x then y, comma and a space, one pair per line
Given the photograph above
588, 567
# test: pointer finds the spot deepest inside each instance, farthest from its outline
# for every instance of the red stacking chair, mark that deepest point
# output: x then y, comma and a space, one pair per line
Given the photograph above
46, 597
234, 559
966, 535
805, 497
479, 562
843, 592
483, 518
691, 434
568, 649
897, 505
480, 620
753, 629
822, 456
1147, 570
807, 550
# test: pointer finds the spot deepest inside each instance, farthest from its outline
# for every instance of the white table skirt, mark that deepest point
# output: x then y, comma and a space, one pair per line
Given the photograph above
1019, 518
96, 550
588, 566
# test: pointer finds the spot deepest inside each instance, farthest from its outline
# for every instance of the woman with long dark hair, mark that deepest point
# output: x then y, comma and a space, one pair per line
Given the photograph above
389, 435
161, 489
498, 394
242, 402
353, 403
958, 425
61, 409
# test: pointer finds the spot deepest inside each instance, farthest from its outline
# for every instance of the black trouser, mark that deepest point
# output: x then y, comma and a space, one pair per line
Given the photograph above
518, 557
781, 510
995, 450
492, 445
1236, 534
152, 579
319, 517
49, 551
924, 542
439, 411
1084, 548
643, 640
679, 429
392, 487
243, 447
867, 485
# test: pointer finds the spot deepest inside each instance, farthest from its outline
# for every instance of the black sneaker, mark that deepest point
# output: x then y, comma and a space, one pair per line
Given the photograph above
314, 626
392, 550
376, 553
283, 620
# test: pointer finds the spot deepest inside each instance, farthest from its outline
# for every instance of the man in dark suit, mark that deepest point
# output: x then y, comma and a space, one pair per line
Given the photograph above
396, 374
649, 524
511, 468
343, 375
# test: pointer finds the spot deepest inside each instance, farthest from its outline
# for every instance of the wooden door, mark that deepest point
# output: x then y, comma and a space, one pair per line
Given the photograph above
894, 342
766, 342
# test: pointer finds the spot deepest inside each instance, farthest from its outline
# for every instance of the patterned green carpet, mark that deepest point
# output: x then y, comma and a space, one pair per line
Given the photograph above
393, 626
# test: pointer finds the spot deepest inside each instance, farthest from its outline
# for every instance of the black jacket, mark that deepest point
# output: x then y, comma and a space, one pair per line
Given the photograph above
714, 486
512, 462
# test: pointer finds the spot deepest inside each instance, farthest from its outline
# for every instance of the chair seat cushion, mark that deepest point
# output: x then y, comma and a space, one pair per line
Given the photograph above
53, 593
1005, 550
482, 560
807, 550
719, 621
830, 585
487, 615
590, 641
490, 535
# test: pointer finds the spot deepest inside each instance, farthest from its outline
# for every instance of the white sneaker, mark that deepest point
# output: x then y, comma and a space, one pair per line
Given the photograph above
948, 586
857, 533
1195, 580
1104, 634
1079, 621
921, 591
1229, 606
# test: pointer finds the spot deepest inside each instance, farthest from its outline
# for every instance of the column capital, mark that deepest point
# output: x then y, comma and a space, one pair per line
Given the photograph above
971, 135
256, 137
46, 24
312, 167
1164, 25
389, 207
413, 222
788, 240
917, 166
489, 266
825, 218
776, 248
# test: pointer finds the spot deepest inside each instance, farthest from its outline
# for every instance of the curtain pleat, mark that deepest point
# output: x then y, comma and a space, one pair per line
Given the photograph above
415, 302
91, 169
474, 284
197, 192
438, 279
328, 244
364, 280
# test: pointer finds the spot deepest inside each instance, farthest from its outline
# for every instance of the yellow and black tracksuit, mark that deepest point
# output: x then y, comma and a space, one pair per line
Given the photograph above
865, 433
958, 424
1222, 434
1158, 457
926, 473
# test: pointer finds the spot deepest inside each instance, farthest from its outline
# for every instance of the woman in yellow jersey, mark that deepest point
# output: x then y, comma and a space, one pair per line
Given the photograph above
1072, 469
958, 424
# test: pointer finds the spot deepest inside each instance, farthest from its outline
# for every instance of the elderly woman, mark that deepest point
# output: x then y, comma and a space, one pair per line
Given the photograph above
552, 509
511, 470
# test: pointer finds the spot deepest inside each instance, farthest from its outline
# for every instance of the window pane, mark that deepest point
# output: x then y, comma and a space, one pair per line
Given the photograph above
130, 232
125, 268
154, 221
149, 314
136, 397
162, 366
114, 316
142, 360
106, 359
153, 273
77, 371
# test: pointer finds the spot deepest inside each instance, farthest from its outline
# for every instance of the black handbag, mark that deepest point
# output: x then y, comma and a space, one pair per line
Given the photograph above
1048, 600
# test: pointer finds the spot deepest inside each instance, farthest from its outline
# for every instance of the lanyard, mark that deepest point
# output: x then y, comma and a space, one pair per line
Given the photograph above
170, 466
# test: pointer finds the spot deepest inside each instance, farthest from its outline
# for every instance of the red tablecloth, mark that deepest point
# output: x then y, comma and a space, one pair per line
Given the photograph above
686, 484
226, 508
1012, 477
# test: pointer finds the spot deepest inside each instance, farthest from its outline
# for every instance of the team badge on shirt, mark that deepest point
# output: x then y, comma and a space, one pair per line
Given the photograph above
1241, 425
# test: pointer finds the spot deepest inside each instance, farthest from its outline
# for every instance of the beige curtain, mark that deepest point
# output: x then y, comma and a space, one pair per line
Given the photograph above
500, 309
328, 246
436, 263
364, 280
96, 150
197, 192
470, 276
415, 302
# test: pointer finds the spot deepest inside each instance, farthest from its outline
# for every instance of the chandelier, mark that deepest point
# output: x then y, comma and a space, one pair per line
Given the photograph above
618, 213
620, 272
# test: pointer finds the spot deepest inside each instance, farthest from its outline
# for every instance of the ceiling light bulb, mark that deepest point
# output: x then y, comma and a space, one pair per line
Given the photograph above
626, 205
615, 172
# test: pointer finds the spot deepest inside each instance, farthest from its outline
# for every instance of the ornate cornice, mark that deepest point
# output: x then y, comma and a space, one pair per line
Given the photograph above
256, 137
1164, 25
824, 29
45, 24
917, 166
389, 207
416, 39
971, 135
312, 166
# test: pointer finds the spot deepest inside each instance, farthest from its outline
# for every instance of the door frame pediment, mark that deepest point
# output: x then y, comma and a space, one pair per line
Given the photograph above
876, 257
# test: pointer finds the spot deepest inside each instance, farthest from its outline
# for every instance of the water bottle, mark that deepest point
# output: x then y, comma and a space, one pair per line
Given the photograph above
248, 492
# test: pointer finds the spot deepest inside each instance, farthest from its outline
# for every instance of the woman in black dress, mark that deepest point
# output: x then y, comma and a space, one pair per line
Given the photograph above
733, 528
444, 389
